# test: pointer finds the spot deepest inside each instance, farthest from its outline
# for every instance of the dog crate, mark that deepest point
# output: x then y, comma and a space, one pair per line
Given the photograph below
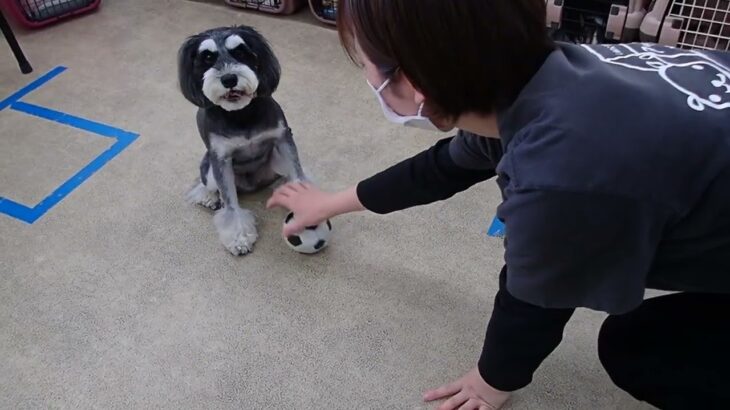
324, 10
269, 6
595, 21
39, 13
690, 24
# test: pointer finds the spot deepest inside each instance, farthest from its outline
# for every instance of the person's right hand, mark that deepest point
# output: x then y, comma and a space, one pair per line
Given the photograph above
470, 392
310, 205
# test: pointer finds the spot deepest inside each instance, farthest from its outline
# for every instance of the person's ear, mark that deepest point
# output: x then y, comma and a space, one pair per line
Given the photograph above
418, 97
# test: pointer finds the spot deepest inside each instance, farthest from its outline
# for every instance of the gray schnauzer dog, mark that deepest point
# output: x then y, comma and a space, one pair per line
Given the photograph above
230, 74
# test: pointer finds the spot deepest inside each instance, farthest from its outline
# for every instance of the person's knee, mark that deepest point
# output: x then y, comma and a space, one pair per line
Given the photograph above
615, 353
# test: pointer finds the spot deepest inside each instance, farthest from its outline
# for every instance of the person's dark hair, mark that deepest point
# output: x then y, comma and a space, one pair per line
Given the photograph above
463, 55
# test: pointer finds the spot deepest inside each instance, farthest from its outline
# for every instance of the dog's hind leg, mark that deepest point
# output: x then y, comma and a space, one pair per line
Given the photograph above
205, 191
285, 160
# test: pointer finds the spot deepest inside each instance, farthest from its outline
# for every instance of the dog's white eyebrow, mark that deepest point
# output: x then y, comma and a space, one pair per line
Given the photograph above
234, 41
209, 45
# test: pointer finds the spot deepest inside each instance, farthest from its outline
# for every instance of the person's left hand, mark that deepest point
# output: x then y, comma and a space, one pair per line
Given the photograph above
310, 205
470, 392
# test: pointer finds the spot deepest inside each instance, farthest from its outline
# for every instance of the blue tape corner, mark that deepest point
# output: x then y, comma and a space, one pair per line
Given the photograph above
496, 229
123, 138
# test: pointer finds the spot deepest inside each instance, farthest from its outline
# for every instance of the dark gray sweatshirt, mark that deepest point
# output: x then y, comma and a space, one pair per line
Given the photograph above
614, 167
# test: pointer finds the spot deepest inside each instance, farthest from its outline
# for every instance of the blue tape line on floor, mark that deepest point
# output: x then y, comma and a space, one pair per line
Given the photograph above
73, 121
31, 215
124, 139
497, 228
16, 210
31, 87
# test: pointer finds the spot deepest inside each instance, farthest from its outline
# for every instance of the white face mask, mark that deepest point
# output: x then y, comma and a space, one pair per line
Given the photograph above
418, 120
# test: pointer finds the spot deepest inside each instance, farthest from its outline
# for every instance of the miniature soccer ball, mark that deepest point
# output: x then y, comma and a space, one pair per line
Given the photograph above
312, 239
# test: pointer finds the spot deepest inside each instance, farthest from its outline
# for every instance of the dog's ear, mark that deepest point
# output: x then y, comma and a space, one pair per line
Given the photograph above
269, 70
190, 85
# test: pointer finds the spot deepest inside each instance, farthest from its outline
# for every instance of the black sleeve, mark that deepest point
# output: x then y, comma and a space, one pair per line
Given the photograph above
433, 175
519, 337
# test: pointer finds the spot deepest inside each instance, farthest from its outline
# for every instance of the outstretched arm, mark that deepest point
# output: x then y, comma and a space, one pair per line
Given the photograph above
433, 175
451, 166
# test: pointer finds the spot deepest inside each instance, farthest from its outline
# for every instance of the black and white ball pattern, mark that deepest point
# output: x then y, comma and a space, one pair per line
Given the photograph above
312, 239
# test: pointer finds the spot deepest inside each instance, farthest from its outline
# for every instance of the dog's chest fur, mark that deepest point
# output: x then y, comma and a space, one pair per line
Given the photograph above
245, 146
246, 136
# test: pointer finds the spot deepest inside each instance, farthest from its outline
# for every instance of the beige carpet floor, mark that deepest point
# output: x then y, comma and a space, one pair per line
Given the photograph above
122, 297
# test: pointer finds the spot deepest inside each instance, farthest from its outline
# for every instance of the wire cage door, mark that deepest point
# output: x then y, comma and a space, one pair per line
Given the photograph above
690, 24
702, 24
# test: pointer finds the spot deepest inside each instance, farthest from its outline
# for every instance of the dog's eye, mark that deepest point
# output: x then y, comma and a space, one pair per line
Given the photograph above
243, 54
208, 57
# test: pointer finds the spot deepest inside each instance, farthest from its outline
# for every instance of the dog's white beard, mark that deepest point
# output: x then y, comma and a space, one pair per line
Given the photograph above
214, 90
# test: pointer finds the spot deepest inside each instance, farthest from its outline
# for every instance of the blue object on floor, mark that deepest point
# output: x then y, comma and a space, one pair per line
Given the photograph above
496, 229
30, 214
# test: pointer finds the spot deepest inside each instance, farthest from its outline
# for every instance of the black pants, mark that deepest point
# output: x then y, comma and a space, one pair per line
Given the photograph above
672, 352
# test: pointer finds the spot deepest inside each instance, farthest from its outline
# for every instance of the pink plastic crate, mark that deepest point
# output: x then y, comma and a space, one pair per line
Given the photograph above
39, 13
269, 6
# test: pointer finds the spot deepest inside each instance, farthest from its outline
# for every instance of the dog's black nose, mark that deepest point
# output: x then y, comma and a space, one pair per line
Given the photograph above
229, 80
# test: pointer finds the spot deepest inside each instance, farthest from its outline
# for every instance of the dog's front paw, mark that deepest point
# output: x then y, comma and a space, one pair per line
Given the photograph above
236, 230
200, 195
